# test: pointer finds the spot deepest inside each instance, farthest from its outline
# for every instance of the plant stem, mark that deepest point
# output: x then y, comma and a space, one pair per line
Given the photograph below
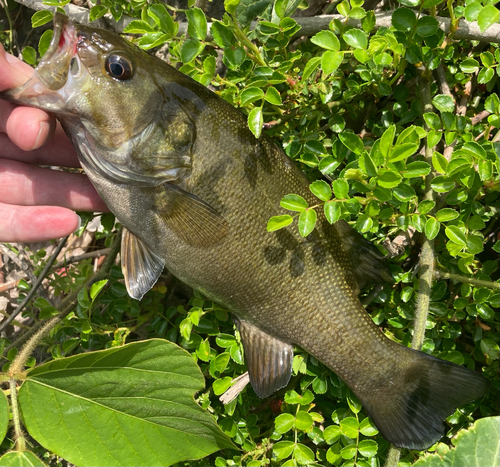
468, 280
426, 257
16, 419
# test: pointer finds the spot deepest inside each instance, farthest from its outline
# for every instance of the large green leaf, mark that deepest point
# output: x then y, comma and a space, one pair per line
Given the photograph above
477, 447
4, 416
20, 459
130, 405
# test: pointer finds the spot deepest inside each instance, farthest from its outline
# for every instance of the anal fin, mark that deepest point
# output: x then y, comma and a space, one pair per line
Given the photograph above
269, 360
140, 266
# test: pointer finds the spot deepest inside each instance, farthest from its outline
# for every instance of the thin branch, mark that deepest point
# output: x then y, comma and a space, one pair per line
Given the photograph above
309, 26
76, 259
467, 280
35, 286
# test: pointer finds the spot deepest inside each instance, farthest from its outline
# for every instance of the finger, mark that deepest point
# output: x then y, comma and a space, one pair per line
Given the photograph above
14, 72
58, 151
27, 128
28, 185
35, 224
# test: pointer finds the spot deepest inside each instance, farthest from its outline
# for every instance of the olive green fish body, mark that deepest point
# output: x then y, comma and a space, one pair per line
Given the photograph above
194, 190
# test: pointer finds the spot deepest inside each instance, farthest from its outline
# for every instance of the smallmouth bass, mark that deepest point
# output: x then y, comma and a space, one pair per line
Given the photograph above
194, 189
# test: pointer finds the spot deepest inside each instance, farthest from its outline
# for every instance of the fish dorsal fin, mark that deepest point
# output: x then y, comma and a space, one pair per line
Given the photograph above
140, 266
193, 220
269, 360
368, 264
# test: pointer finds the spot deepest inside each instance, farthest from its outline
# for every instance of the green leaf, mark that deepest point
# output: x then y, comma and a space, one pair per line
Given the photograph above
386, 140
439, 162
273, 96
307, 221
485, 75
352, 142
303, 454
403, 151
221, 385
326, 40
294, 203
388, 178
20, 459
219, 364
472, 10
284, 422
96, 288
152, 39
478, 446
332, 211
331, 60
96, 404
432, 228
222, 35
321, 190
340, 189
492, 104
403, 19
29, 55
44, 42
4, 416
250, 95
488, 16
197, 23
416, 169
191, 49
327, 165
368, 22
446, 214
403, 192
356, 38
476, 223
368, 447
456, 235
426, 206
96, 12
41, 17
367, 427
442, 184
311, 65
427, 26
278, 222
443, 102
163, 19
469, 65
432, 120
255, 121
138, 27
303, 421
283, 449
350, 426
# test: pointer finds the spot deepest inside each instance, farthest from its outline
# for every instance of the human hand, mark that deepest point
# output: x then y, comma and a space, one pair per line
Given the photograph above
36, 204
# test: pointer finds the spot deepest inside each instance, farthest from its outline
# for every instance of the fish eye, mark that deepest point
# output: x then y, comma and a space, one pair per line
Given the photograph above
118, 67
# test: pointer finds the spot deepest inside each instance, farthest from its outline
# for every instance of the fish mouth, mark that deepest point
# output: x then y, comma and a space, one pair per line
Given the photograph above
54, 66
41, 90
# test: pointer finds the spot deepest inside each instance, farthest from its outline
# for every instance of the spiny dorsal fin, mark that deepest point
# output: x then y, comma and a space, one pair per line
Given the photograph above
368, 264
269, 360
193, 221
140, 266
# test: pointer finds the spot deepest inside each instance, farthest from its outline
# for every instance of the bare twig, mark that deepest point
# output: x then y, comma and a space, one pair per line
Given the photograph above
397, 246
75, 259
35, 285
479, 117
238, 384
443, 83
309, 26
468, 280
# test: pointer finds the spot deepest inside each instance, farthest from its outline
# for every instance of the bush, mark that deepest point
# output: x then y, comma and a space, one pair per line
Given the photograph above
395, 119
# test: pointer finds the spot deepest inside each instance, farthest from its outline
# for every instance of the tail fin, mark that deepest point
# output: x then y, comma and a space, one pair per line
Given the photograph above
410, 413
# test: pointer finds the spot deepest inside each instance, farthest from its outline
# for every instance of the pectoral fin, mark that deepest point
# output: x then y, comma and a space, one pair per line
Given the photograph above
193, 220
140, 266
368, 264
269, 360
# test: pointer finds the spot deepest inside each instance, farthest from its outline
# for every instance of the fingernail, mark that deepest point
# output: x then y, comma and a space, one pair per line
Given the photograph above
79, 223
42, 135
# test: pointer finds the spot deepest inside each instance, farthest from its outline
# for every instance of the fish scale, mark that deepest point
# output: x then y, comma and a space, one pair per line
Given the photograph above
194, 190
